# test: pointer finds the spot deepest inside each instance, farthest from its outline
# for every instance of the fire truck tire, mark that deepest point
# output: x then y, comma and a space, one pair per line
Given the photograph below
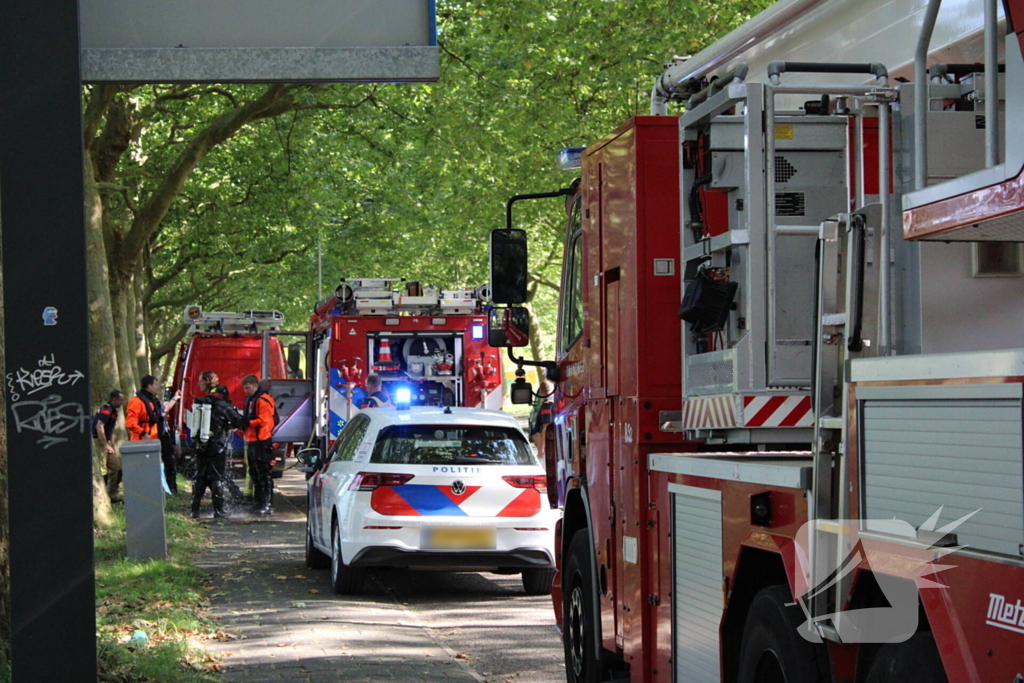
345, 580
314, 558
579, 610
772, 649
538, 581
917, 660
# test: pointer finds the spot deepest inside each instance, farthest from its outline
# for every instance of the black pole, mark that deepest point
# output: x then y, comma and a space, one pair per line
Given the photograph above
53, 621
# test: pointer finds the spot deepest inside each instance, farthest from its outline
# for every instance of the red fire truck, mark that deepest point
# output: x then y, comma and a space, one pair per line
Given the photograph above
420, 340
752, 493
228, 343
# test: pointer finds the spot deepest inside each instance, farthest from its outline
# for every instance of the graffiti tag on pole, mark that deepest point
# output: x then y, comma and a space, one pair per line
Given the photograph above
48, 415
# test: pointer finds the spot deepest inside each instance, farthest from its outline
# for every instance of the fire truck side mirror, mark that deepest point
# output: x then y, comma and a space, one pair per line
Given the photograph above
508, 266
508, 327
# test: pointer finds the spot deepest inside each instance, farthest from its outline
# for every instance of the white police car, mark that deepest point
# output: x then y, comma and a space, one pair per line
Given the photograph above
441, 488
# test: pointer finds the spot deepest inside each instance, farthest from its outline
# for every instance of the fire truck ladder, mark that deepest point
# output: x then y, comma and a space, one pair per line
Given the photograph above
377, 296
224, 322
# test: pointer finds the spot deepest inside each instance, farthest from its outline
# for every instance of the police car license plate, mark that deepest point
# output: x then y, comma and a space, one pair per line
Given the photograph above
459, 538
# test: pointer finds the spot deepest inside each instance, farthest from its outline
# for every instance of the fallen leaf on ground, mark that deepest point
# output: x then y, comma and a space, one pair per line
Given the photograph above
314, 591
298, 604
281, 577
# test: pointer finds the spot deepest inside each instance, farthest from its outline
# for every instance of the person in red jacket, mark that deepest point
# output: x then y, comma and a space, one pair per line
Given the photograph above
258, 422
144, 419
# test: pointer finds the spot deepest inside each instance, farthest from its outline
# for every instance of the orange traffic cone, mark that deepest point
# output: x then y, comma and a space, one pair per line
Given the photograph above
385, 363
385, 352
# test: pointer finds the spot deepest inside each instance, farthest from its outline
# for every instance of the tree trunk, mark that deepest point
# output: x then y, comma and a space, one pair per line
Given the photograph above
102, 352
102, 348
122, 301
102, 510
142, 360
167, 366
536, 335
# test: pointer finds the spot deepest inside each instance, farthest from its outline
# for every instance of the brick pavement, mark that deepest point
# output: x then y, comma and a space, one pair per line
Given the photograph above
289, 626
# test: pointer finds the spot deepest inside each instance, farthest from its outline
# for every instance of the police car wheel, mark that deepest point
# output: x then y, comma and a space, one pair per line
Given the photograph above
314, 558
538, 581
345, 580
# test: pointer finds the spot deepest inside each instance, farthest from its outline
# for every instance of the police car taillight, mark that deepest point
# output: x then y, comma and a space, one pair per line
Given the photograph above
536, 481
368, 481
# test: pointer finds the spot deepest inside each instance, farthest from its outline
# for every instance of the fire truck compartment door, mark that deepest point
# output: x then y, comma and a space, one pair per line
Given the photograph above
293, 398
951, 447
697, 582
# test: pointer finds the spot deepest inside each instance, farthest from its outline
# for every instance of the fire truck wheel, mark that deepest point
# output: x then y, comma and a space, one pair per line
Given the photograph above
345, 580
579, 609
314, 558
772, 649
538, 581
917, 659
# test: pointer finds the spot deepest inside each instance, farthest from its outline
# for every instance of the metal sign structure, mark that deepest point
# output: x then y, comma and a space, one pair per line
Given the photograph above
232, 41
46, 327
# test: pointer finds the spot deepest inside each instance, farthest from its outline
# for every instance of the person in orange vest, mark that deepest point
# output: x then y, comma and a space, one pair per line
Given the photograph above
258, 422
144, 419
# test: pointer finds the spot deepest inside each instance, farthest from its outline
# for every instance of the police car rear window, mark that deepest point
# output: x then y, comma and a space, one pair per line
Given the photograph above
447, 445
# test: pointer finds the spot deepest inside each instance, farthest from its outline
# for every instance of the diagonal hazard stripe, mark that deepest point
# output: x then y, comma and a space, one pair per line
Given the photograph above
765, 413
797, 414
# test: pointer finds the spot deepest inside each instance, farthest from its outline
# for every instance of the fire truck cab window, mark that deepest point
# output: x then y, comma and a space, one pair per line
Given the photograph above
572, 290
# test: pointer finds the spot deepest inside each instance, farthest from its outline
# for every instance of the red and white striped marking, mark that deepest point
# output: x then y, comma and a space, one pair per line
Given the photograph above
712, 412
777, 411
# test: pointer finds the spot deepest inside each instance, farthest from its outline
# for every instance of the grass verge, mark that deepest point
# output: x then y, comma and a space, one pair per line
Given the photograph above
151, 615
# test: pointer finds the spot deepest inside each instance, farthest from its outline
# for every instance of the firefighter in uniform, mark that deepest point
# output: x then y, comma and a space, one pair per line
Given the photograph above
104, 423
211, 455
377, 395
258, 422
144, 419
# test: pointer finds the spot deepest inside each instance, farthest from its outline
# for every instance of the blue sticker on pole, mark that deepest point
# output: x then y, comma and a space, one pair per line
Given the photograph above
49, 316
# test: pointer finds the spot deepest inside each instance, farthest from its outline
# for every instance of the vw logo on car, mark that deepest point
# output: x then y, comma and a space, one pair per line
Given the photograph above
458, 487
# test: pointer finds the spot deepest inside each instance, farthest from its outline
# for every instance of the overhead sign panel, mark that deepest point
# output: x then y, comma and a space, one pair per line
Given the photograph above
227, 41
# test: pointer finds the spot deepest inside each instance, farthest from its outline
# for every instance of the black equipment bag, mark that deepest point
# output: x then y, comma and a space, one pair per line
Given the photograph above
706, 303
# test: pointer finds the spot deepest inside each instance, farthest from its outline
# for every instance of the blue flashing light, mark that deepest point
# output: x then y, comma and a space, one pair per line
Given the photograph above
570, 158
403, 397
476, 331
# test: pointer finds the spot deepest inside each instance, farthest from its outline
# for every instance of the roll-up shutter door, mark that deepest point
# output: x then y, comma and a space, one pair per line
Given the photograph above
697, 582
959, 454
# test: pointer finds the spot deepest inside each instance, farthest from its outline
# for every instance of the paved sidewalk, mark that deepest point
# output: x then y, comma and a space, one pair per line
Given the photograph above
289, 626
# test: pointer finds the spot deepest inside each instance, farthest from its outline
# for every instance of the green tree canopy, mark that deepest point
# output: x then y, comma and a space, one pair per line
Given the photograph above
222, 195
